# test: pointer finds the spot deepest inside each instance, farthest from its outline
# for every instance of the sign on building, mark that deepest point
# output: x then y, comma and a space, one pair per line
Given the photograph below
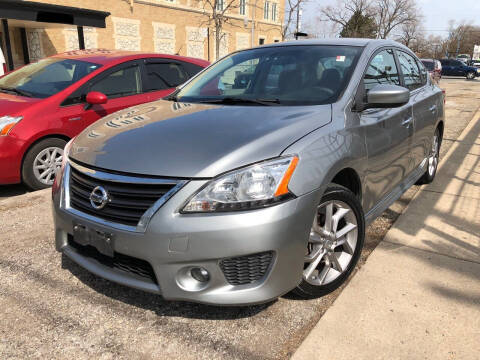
476, 52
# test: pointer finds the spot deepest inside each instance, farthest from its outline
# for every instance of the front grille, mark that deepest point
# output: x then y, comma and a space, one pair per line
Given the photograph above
246, 269
136, 268
129, 201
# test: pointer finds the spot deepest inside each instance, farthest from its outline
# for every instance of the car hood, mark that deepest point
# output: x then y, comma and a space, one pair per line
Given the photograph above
14, 105
167, 138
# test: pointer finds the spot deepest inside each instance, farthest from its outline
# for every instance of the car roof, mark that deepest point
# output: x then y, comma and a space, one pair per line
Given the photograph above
337, 41
105, 56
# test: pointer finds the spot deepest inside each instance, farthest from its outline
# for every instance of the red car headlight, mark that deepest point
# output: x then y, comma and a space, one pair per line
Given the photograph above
7, 123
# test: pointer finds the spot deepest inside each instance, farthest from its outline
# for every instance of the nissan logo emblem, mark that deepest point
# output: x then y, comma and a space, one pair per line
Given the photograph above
99, 198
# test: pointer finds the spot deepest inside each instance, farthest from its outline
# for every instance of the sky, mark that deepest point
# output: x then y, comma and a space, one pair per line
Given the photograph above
437, 13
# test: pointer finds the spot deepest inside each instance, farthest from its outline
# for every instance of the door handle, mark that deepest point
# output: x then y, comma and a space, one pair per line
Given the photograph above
433, 108
75, 118
407, 122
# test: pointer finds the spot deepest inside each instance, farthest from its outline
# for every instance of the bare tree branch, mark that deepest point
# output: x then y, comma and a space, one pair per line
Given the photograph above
391, 14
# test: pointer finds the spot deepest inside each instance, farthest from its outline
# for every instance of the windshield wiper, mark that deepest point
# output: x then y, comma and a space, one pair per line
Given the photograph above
172, 96
238, 100
16, 91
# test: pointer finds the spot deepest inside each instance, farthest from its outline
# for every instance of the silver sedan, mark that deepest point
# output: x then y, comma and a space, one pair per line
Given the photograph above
256, 177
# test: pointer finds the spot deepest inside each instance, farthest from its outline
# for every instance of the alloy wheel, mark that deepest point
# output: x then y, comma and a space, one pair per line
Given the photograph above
433, 158
46, 164
332, 243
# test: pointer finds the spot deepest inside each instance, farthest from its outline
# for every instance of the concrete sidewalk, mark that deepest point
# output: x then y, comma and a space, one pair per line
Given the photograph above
418, 295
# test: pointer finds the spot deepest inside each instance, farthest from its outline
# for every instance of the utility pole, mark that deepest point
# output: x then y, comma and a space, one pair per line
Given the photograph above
458, 45
253, 24
297, 27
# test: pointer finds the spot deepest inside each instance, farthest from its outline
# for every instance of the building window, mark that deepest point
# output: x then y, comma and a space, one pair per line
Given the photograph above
261, 41
219, 5
242, 7
274, 11
266, 10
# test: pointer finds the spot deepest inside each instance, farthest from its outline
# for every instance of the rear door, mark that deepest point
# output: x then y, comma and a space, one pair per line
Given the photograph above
423, 104
446, 67
162, 76
122, 84
458, 68
388, 132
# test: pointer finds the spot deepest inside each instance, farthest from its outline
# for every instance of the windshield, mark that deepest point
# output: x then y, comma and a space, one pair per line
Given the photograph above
284, 75
46, 77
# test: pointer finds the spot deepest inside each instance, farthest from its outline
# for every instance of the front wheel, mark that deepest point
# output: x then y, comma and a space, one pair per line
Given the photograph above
335, 243
470, 75
42, 162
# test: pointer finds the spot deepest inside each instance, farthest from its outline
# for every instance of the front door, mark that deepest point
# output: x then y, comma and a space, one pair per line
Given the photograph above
388, 133
123, 87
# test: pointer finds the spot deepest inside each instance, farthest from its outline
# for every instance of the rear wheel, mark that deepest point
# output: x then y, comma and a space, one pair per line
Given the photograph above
335, 243
433, 157
42, 162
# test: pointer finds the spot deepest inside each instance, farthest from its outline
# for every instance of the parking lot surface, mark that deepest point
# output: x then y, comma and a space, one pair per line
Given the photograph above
51, 308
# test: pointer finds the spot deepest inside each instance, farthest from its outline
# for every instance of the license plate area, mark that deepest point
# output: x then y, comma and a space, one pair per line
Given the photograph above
102, 241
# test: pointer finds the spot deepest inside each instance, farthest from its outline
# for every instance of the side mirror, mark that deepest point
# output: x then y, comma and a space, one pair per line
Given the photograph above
387, 96
96, 97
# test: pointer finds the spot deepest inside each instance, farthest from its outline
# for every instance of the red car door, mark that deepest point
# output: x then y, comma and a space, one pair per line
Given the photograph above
123, 87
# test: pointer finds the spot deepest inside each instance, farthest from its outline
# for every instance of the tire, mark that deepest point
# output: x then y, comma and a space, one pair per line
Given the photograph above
470, 75
38, 162
433, 157
325, 276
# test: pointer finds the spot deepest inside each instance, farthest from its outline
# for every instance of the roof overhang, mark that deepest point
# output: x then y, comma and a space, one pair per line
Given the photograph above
49, 13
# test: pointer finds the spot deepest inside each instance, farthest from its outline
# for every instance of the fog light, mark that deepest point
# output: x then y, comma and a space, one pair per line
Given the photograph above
200, 274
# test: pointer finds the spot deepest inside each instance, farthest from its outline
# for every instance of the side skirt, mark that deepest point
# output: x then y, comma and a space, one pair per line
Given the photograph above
398, 191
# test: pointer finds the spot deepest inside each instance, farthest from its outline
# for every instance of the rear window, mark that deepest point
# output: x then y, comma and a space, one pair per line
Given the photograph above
429, 65
164, 75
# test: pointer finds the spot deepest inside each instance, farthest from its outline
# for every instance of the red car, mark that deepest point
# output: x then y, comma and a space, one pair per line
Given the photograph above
44, 104
434, 68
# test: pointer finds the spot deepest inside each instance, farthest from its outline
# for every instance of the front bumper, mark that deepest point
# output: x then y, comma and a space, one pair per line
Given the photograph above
173, 243
11, 153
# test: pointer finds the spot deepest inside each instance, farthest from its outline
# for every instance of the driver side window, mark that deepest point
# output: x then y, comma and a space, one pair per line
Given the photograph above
382, 69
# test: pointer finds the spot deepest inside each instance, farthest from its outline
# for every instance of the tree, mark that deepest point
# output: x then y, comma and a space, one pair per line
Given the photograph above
291, 10
344, 10
410, 32
461, 38
216, 14
359, 25
391, 14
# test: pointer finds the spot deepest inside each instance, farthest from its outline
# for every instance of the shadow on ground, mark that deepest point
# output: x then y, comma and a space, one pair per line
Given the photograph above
12, 190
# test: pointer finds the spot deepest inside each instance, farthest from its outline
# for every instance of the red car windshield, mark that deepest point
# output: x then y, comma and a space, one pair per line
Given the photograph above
46, 77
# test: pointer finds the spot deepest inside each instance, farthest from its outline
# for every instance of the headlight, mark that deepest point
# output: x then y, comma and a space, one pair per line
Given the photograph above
252, 187
7, 123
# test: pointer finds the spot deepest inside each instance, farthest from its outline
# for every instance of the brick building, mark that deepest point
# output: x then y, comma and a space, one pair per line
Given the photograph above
165, 26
